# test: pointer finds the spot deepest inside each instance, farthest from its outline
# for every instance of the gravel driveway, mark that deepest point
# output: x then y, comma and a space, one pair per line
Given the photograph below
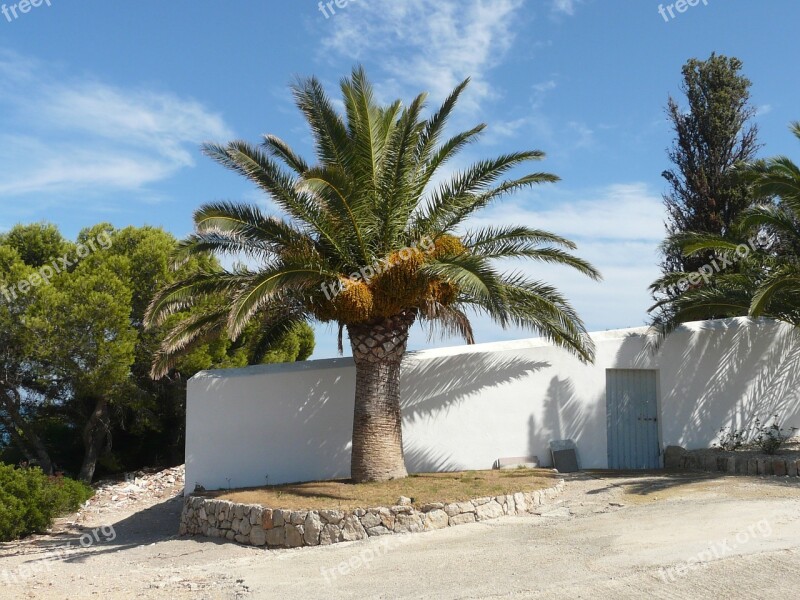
609, 536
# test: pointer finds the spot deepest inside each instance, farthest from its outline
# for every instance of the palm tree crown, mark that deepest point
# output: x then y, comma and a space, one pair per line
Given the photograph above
370, 201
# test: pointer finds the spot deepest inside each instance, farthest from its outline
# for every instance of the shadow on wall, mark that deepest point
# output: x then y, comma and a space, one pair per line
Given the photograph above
260, 442
430, 386
428, 460
727, 373
329, 435
519, 419
565, 416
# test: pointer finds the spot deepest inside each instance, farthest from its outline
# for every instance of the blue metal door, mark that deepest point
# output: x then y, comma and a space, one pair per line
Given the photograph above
632, 409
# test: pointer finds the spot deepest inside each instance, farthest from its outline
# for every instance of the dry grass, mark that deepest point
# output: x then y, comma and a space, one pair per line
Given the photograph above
421, 488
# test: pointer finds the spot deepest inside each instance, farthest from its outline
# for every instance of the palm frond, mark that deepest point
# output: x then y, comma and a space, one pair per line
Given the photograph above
280, 149
182, 294
187, 334
447, 321
270, 286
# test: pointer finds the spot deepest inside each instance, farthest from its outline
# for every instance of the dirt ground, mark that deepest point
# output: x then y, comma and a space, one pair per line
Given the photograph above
610, 535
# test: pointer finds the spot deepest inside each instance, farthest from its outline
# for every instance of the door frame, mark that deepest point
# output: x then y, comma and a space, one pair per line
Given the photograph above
659, 413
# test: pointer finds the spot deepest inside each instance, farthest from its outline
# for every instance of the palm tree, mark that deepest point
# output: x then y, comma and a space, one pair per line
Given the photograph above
372, 243
766, 282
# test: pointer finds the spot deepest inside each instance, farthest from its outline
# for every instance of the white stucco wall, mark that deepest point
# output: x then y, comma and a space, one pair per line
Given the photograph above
465, 407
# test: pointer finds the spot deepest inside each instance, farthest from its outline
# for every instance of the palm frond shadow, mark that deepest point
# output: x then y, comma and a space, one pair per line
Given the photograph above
758, 372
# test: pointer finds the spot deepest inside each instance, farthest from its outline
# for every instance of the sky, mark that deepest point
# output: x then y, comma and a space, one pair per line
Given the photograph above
103, 107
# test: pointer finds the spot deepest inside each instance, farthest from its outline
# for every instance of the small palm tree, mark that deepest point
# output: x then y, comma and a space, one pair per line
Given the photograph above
372, 243
766, 281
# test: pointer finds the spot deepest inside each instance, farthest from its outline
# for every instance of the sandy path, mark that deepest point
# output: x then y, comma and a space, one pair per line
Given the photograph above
608, 537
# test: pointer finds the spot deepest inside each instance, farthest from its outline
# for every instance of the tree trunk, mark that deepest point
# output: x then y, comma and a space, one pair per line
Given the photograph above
28, 439
378, 349
94, 436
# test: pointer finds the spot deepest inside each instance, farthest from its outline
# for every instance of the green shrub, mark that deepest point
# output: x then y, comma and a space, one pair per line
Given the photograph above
30, 500
771, 438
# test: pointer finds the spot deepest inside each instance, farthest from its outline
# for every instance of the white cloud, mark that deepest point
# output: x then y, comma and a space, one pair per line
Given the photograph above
617, 228
432, 44
79, 135
566, 7
585, 135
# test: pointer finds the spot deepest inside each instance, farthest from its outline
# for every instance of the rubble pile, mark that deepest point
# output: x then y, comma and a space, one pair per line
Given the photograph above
134, 490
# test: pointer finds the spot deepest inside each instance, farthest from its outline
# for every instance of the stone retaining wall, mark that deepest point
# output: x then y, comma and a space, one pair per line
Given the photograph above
731, 462
258, 526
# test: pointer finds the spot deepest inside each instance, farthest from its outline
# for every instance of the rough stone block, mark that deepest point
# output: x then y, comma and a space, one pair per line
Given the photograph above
491, 510
512, 507
267, 519
673, 457
294, 536
312, 529
298, 517
276, 537
244, 527
387, 518
280, 517
741, 465
330, 534
779, 467
436, 519
462, 519
710, 462
370, 519
258, 537
352, 529
408, 523
333, 517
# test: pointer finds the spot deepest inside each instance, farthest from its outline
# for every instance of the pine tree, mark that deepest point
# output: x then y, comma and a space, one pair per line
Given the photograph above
706, 195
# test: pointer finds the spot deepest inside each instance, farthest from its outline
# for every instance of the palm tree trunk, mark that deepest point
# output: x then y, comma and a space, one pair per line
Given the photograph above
378, 349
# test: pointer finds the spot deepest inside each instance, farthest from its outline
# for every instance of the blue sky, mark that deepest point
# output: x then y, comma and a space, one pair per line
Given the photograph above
103, 106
